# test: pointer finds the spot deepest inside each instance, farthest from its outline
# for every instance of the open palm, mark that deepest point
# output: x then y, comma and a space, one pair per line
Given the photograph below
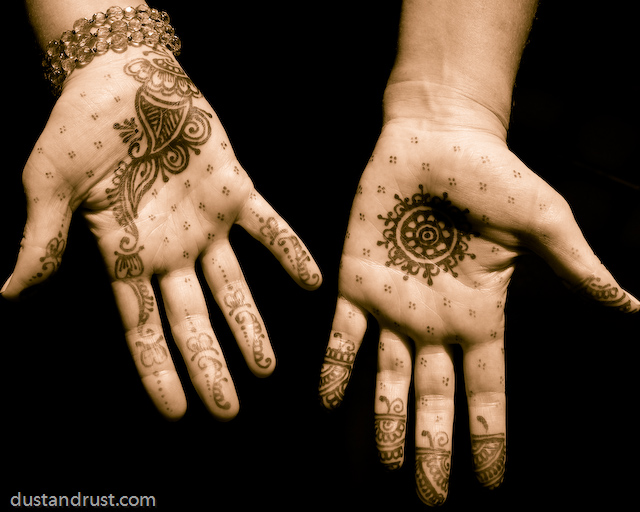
133, 143
437, 222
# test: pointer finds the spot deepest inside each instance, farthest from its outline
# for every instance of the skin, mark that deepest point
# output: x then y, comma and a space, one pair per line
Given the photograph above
134, 147
443, 151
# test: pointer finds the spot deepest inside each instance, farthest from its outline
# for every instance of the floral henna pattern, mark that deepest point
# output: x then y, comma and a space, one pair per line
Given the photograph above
426, 234
167, 129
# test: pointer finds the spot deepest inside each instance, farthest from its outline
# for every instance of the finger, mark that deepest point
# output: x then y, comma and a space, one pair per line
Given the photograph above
45, 234
189, 319
392, 390
143, 332
559, 240
264, 224
231, 292
434, 386
347, 332
484, 373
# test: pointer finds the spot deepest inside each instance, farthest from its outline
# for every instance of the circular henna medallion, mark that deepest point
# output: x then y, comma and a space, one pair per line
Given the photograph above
426, 234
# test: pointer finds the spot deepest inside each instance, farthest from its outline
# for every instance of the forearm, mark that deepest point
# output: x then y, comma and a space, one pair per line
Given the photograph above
469, 46
50, 18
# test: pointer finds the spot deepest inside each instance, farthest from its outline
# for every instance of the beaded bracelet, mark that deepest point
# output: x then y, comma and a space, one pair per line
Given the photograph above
116, 30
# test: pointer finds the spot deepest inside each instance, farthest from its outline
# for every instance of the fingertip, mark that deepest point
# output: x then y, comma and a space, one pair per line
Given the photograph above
264, 367
174, 415
167, 394
489, 459
5, 291
225, 415
315, 280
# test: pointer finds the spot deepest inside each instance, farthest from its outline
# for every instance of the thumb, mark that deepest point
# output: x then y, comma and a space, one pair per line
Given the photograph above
45, 233
559, 240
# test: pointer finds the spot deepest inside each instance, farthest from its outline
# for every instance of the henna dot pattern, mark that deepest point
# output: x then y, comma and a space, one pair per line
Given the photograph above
426, 234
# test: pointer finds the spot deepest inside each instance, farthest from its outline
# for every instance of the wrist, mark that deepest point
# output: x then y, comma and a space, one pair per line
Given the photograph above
434, 106
50, 18
105, 32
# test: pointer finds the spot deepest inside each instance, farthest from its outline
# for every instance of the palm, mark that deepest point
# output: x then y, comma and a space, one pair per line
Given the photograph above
134, 143
435, 227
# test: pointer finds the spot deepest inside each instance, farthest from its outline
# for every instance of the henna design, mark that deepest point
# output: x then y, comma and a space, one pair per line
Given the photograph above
483, 422
202, 346
390, 430
489, 458
249, 322
426, 234
433, 468
52, 255
167, 129
152, 352
608, 295
257, 343
299, 258
144, 298
336, 371
235, 300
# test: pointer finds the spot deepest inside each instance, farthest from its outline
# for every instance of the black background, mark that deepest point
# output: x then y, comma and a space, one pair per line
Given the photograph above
298, 86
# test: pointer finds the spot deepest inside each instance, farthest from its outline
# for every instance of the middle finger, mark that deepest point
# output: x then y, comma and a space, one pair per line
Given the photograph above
434, 385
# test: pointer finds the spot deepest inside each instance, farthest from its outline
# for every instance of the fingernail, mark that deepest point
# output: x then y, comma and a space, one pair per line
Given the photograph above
6, 284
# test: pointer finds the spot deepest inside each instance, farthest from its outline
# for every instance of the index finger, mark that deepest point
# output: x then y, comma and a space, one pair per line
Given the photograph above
265, 224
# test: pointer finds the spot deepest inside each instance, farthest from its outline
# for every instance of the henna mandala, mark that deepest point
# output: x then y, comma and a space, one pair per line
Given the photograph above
202, 347
489, 458
335, 372
432, 469
170, 128
299, 258
426, 234
390, 432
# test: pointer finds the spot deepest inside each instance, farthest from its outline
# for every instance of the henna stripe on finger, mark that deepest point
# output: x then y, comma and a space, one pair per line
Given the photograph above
433, 467
295, 252
606, 294
251, 336
489, 458
206, 357
390, 429
336, 371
